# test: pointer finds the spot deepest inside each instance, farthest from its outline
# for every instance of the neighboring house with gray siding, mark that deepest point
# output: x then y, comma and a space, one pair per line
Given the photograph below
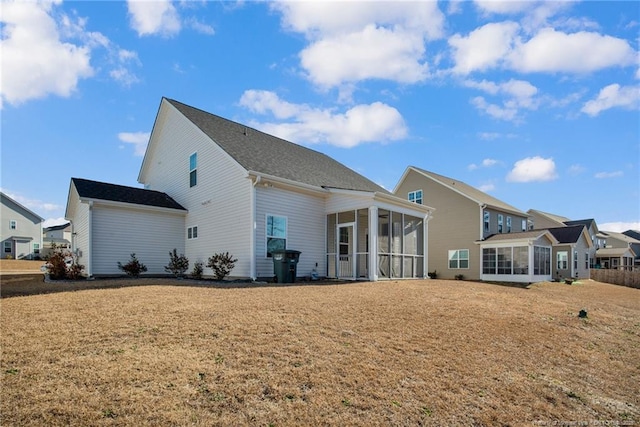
56, 235
21, 230
245, 192
572, 255
464, 216
617, 251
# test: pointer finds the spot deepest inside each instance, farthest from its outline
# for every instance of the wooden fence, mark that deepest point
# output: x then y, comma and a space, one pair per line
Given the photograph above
617, 277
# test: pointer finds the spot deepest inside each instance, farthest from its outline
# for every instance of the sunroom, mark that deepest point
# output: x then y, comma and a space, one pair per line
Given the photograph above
374, 236
517, 257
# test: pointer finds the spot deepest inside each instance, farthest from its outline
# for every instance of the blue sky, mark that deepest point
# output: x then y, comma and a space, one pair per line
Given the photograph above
536, 103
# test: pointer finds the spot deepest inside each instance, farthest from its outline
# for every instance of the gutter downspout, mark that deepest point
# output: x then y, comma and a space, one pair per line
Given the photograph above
252, 238
482, 208
90, 243
425, 243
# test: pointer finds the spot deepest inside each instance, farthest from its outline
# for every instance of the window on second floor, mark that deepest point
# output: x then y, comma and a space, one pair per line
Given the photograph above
500, 220
524, 225
415, 196
487, 221
13, 224
508, 224
193, 170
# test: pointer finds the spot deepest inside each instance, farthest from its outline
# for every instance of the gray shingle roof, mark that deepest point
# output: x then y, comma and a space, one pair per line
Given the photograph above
119, 193
471, 192
263, 153
533, 234
569, 234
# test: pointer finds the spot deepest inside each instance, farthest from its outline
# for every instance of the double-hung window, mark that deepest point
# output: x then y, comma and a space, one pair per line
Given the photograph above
487, 221
193, 170
508, 224
500, 220
415, 196
8, 247
192, 232
563, 260
13, 224
276, 233
459, 258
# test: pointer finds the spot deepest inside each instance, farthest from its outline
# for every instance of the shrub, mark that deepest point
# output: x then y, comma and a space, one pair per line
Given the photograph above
196, 273
134, 267
178, 264
432, 274
62, 264
221, 264
459, 276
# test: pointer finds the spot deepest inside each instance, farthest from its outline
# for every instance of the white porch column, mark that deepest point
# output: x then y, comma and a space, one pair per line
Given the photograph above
373, 243
425, 245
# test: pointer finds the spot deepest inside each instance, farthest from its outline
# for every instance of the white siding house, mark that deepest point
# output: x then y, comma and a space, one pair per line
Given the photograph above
20, 230
245, 192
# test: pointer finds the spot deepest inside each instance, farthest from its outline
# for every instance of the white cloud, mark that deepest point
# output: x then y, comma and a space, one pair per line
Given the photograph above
533, 169
487, 187
360, 124
484, 48
200, 27
35, 61
486, 163
494, 110
519, 94
619, 227
612, 96
554, 51
576, 170
50, 222
503, 7
138, 139
154, 17
354, 41
605, 175
35, 205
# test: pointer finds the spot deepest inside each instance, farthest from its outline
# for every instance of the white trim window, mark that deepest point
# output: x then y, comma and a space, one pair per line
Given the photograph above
36, 248
500, 221
586, 260
575, 260
276, 234
459, 258
13, 224
487, 221
193, 169
523, 224
8, 247
562, 259
192, 232
415, 196
508, 224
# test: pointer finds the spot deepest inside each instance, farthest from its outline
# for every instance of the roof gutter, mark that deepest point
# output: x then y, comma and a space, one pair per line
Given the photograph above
265, 179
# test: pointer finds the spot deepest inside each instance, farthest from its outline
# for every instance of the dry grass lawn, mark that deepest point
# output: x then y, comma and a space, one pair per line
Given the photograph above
387, 353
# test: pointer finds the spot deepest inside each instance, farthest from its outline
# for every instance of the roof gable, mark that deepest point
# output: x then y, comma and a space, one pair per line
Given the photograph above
96, 190
266, 154
18, 207
468, 191
569, 234
530, 236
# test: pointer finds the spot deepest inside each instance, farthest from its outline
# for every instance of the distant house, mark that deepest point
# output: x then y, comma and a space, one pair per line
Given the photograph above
465, 216
21, 230
634, 234
213, 185
618, 251
541, 220
572, 253
58, 235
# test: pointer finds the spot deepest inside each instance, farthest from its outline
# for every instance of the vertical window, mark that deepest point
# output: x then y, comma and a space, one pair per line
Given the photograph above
459, 258
562, 259
586, 260
541, 260
487, 220
276, 233
504, 260
500, 219
192, 232
520, 260
36, 248
524, 225
193, 169
508, 224
8, 247
13, 224
575, 260
489, 261
415, 196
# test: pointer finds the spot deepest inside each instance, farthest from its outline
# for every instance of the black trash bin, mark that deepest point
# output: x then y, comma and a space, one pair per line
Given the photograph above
285, 265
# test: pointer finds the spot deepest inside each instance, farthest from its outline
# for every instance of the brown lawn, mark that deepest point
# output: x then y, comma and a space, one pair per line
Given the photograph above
388, 353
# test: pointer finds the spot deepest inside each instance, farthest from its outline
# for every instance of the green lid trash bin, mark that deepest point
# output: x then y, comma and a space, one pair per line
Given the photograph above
285, 265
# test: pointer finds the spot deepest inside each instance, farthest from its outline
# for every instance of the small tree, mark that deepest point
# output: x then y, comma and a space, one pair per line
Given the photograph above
221, 264
62, 264
178, 264
133, 268
196, 273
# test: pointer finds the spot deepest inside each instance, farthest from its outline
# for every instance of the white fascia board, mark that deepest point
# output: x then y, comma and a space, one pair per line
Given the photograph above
124, 205
270, 179
398, 201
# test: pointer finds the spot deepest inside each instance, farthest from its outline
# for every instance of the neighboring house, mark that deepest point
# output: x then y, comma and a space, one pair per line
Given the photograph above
613, 253
58, 235
572, 254
634, 234
540, 220
464, 216
21, 230
235, 189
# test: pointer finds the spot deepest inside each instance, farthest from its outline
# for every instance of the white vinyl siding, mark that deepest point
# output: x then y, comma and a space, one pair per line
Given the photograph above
119, 232
220, 204
306, 220
79, 217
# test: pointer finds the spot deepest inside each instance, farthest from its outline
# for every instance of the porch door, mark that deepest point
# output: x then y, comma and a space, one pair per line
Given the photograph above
345, 251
